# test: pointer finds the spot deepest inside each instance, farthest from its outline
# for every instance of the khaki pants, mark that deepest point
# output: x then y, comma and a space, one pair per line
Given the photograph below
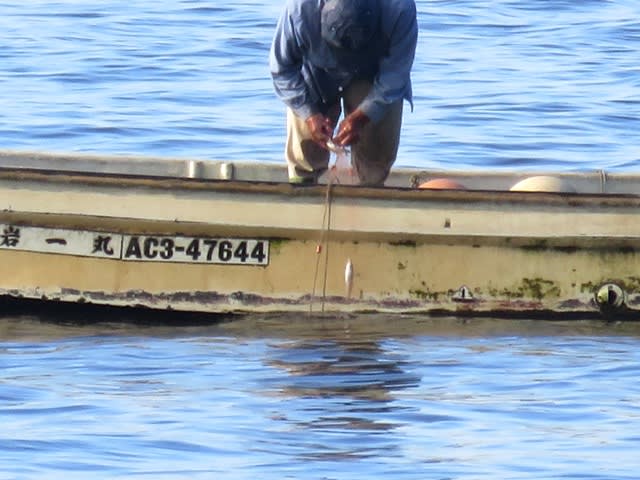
371, 158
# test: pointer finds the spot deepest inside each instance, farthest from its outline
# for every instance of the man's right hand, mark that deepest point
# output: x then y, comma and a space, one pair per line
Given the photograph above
320, 128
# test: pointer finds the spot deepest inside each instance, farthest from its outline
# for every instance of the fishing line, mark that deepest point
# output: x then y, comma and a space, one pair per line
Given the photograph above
323, 245
341, 159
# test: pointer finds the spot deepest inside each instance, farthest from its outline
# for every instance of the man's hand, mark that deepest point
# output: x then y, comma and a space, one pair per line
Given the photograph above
350, 128
321, 129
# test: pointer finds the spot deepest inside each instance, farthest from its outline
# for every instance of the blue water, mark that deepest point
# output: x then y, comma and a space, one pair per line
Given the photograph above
339, 399
537, 84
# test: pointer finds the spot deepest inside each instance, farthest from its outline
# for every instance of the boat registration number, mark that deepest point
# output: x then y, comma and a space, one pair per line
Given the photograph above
237, 251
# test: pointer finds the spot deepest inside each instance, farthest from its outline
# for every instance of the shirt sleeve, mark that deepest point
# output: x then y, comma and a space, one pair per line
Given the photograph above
285, 63
393, 81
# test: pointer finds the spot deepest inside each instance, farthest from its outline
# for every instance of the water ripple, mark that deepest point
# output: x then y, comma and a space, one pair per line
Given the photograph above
364, 397
490, 82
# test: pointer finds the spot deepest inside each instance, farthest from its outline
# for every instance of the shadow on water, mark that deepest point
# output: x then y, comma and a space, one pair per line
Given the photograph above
42, 319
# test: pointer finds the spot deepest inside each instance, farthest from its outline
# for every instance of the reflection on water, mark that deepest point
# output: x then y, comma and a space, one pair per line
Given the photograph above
356, 370
347, 388
350, 397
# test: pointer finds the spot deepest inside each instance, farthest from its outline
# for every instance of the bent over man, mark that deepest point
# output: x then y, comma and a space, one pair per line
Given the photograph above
356, 55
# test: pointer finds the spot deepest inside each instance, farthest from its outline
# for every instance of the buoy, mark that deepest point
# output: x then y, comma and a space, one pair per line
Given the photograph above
543, 183
442, 184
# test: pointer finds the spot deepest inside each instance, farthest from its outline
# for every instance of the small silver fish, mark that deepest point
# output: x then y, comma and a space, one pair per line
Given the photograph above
348, 277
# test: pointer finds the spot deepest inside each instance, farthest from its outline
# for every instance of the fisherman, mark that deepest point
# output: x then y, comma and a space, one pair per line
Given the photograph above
355, 52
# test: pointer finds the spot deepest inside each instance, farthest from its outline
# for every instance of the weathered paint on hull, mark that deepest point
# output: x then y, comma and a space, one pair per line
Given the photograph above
387, 278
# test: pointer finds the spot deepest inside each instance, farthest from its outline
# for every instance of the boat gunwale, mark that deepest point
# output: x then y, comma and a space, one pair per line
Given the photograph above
388, 193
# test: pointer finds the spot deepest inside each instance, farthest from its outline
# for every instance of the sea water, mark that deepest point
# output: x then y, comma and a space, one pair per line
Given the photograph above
538, 85
333, 398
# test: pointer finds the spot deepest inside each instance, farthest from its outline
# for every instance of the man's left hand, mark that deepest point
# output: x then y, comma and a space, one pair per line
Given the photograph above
350, 128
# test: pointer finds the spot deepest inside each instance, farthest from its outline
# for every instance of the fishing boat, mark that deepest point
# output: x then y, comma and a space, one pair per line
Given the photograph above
221, 237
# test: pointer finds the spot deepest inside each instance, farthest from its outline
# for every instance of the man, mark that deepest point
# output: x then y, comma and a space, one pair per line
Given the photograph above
359, 52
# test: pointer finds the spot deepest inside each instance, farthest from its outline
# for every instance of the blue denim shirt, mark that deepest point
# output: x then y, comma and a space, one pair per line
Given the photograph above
308, 74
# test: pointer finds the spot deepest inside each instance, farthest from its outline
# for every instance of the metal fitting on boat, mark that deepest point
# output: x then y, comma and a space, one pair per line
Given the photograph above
226, 171
610, 298
194, 169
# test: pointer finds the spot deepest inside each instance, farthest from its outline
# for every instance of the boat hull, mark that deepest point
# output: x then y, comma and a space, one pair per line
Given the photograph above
228, 246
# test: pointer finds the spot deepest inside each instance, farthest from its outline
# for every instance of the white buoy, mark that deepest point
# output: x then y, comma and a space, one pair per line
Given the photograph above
543, 183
